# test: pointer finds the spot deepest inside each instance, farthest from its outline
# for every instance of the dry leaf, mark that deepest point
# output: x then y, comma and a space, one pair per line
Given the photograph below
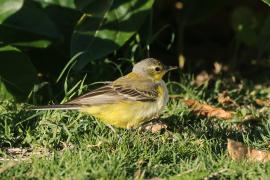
155, 127
224, 98
66, 145
263, 102
22, 154
239, 151
207, 110
16, 151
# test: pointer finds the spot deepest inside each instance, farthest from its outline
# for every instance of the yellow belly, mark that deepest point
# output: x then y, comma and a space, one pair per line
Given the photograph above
124, 114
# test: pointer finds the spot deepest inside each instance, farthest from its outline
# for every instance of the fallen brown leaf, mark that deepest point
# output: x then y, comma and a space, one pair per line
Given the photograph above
16, 151
263, 102
155, 127
224, 98
66, 145
238, 151
23, 154
207, 110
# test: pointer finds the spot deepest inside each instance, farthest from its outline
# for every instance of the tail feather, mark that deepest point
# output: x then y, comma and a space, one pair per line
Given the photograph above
57, 107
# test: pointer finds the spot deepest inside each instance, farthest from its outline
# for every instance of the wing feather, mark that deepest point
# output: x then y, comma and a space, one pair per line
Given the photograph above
136, 94
114, 93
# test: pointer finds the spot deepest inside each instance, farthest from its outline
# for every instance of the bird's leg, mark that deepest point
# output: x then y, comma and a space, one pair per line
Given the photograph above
109, 126
114, 131
154, 126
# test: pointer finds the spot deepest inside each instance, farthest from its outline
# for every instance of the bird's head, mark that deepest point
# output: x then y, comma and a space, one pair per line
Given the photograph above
152, 68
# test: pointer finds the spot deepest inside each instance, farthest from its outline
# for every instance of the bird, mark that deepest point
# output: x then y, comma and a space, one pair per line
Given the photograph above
129, 101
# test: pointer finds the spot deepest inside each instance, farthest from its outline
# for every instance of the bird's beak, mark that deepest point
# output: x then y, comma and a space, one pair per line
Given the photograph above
169, 68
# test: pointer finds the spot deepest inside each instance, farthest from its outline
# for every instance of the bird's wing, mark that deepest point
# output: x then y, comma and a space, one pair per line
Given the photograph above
130, 93
116, 92
136, 87
102, 95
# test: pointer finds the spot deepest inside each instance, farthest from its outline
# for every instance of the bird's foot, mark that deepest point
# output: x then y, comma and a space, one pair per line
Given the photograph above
153, 126
110, 126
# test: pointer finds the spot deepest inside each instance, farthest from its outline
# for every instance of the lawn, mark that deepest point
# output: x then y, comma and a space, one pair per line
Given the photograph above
70, 145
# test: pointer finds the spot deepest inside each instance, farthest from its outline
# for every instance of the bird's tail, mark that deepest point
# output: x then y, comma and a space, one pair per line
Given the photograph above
57, 107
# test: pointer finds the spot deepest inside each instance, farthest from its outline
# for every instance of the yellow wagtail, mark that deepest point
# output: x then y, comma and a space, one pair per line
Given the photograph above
128, 101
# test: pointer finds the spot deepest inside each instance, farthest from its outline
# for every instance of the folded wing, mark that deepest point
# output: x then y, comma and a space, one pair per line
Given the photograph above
113, 93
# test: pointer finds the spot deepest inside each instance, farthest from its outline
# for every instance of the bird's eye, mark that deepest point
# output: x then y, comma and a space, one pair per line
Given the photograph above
157, 69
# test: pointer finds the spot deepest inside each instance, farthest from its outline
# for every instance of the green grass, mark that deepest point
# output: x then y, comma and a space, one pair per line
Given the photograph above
77, 146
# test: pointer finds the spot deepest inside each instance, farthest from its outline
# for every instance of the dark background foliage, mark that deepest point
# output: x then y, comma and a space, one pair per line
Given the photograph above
41, 39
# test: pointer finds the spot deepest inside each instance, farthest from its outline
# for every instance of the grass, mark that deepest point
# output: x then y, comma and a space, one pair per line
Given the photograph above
70, 145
